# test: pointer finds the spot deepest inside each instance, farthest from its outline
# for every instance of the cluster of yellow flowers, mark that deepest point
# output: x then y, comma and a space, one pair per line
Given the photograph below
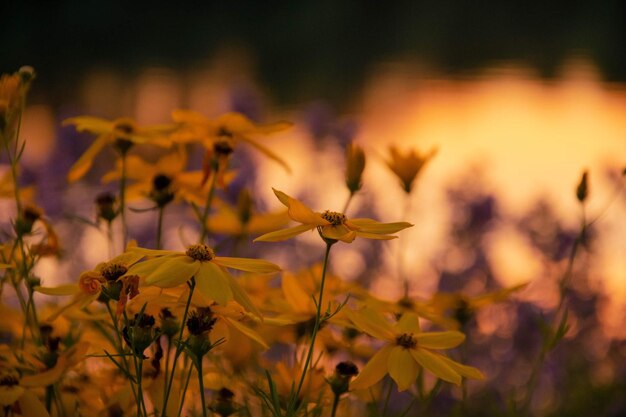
156, 332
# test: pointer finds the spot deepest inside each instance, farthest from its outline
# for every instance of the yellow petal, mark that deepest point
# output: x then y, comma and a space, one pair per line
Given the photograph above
68, 289
241, 297
247, 331
5, 266
267, 152
49, 377
176, 270
80, 167
89, 124
375, 236
409, 323
31, 406
373, 371
212, 283
440, 340
284, 234
373, 226
296, 296
463, 370
372, 323
402, 367
433, 364
246, 264
299, 212
339, 232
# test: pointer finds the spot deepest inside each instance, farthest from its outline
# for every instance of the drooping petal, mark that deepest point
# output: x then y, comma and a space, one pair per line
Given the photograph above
339, 232
433, 364
372, 323
373, 371
176, 271
241, 297
463, 370
247, 331
440, 340
80, 167
212, 283
375, 236
409, 323
284, 234
402, 367
67, 289
147, 267
296, 296
266, 152
246, 264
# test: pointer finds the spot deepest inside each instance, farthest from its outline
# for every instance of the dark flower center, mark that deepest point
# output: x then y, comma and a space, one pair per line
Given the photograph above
406, 340
161, 182
200, 252
112, 271
334, 217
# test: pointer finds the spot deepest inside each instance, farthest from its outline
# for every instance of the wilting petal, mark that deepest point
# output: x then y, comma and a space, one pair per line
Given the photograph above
339, 232
372, 323
440, 340
433, 364
246, 264
284, 234
212, 283
402, 367
373, 371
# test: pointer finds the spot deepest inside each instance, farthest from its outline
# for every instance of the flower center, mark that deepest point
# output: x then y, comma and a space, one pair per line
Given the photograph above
334, 217
406, 340
222, 147
112, 271
200, 252
161, 182
124, 126
9, 380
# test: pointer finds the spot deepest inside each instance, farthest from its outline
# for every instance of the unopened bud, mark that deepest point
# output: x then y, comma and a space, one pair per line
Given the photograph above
582, 191
355, 164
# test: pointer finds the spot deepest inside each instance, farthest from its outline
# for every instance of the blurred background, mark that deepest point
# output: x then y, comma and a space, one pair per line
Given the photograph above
518, 98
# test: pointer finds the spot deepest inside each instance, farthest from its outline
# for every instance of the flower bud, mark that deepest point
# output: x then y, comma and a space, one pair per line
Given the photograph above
355, 164
224, 405
340, 380
105, 207
582, 191
140, 333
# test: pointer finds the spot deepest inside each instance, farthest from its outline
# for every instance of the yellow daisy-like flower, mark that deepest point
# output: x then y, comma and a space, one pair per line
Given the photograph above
167, 268
408, 166
225, 131
166, 176
122, 133
330, 224
408, 348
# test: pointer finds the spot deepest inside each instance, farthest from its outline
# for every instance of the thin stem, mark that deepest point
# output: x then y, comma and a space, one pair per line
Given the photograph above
182, 398
159, 227
335, 405
201, 383
387, 398
179, 346
401, 249
110, 240
318, 320
123, 201
348, 201
207, 207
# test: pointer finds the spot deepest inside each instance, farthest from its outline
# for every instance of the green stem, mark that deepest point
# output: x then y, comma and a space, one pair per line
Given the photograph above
201, 384
159, 227
335, 405
123, 201
179, 347
182, 398
345, 207
318, 321
207, 207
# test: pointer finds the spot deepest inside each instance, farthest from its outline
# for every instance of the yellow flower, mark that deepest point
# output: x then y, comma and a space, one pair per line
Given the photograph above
330, 224
456, 309
244, 220
122, 133
162, 180
407, 349
408, 166
223, 133
168, 269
